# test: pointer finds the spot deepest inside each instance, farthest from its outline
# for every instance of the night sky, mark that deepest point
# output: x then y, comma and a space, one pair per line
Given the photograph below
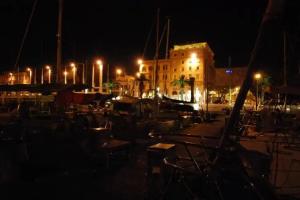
117, 30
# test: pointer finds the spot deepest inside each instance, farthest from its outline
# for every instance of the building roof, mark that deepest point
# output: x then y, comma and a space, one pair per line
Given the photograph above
190, 46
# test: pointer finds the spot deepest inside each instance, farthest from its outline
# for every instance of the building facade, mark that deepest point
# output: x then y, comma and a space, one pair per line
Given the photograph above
191, 61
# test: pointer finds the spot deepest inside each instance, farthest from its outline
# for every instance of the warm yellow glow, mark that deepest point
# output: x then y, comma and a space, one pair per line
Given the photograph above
74, 69
72, 64
237, 89
140, 61
99, 62
48, 67
194, 58
10, 74
257, 76
138, 74
65, 73
28, 69
119, 71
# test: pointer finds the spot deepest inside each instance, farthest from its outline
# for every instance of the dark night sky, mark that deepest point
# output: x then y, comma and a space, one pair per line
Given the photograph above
117, 30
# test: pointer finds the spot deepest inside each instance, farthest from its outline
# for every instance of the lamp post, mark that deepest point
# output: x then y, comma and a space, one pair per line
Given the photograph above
229, 72
74, 72
99, 63
65, 76
30, 74
118, 73
11, 78
140, 63
257, 77
49, 73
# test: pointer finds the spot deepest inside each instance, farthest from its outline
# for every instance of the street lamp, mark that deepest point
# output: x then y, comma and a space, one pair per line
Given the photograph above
229, 72
65, 75
257, 77
30, 74
74, 72
99, 63
118, 72
11, 78
140, 63
49, 73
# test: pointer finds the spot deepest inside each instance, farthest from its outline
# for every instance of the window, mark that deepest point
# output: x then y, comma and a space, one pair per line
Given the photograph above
182, 54
158, 68
197, 67
182, 69
166, 77
175, 55
150, 68
182, 62
190, 68
165, 67
190, 75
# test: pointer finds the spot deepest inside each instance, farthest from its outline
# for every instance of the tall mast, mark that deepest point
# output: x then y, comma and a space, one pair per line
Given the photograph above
167, 40
156, 53
58, 52
284, 66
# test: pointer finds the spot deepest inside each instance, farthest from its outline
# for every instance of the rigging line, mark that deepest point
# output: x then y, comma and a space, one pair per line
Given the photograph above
161, 37
148, 38
26, 33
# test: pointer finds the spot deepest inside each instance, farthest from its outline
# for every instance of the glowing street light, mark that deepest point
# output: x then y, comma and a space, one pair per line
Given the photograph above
65, 75
100, 64
74, 72
257, 77
118, 72
140, 63
49, 73
11, 78
138, 74
30, 74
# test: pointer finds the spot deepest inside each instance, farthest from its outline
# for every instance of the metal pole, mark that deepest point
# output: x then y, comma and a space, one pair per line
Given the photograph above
42, 76
256, 96
93, 78
83, 68
59, 32
35, 75
168, 35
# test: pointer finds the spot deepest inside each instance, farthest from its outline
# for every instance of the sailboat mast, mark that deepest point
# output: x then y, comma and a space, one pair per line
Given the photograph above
156, 54
167, 40
58, 52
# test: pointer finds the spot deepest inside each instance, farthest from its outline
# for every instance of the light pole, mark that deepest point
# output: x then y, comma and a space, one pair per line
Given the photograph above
99, 63
11, 78
30, 74
49, 73
65, 76
140, 63
257, 77
74, 72
229, 72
